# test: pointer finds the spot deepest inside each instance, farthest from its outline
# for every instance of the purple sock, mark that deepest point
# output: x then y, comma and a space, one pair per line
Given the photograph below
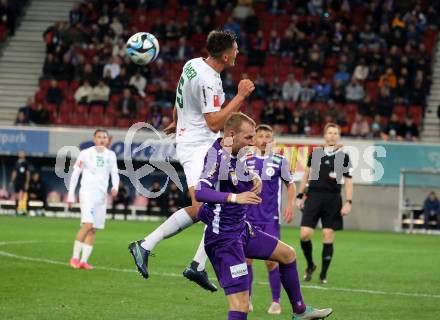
237, 315
290, 281
251, 280
275, 284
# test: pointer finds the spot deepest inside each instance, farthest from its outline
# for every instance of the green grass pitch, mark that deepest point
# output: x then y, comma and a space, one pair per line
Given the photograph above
372, 276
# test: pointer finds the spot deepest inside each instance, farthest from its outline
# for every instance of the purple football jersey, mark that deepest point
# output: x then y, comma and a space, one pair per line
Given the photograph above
273, 170
225, 174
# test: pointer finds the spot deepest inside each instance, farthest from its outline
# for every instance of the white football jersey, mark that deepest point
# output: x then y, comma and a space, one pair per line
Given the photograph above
96, 167
199, 91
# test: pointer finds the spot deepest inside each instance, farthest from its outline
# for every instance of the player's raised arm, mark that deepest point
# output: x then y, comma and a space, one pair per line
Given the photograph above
216, 120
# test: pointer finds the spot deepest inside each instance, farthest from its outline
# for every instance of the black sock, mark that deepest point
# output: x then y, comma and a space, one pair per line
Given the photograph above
306, 247
327, 253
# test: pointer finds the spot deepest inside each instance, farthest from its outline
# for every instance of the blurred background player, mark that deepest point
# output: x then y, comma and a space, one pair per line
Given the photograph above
198, 119
431, 209
95, 164
37, 191
226, 187
326, 167
123, 197
20, 179
274, 169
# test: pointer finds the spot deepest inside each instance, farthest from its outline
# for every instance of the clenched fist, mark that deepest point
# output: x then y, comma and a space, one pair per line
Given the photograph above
245, 88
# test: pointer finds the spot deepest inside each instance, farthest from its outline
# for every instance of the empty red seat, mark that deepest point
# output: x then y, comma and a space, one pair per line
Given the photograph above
400, 111
97, 109
123, 123
107, 121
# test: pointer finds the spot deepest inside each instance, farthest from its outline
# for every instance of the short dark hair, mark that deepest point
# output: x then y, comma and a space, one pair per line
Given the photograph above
331, 125
100, 130
219, 41
264, 127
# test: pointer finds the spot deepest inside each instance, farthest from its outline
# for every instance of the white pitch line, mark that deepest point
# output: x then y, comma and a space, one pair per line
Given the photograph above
174, 275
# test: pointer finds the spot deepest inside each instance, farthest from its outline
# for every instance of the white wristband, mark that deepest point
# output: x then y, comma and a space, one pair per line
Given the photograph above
233, 198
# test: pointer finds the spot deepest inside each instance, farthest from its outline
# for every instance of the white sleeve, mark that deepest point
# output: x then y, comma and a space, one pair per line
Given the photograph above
77, 170
210, 100
114, 173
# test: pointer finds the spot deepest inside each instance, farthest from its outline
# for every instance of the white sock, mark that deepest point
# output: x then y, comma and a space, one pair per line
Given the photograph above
77, 246
87, 251
201, 256
177, 222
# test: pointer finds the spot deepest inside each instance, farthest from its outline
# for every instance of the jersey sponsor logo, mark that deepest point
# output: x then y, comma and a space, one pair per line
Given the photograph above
277, 159
270, 171
238, 270
273, 165
216, 101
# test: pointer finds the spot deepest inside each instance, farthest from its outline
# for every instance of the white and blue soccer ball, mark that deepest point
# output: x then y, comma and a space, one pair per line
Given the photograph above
142, 48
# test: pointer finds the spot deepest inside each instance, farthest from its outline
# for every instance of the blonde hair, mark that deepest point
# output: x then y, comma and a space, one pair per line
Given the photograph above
236, 119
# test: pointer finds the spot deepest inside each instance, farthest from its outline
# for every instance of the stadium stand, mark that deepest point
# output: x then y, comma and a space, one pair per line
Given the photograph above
320, 64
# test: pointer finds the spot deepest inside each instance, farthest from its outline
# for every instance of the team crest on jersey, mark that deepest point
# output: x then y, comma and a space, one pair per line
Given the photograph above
270, 171
332, 175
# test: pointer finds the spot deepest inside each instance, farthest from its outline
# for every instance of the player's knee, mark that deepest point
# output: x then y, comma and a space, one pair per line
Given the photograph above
271, 265
305, 236
240, 304
328, 236
288, 255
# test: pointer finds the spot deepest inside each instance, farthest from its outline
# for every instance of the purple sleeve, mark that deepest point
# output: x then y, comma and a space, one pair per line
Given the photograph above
286, 173
206, 194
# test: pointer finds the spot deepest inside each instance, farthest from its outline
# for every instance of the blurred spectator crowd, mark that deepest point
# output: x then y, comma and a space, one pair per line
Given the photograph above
366, 65
10, 10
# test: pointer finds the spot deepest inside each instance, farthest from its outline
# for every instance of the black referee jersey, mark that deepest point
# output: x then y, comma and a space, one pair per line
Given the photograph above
324, 201
327, 170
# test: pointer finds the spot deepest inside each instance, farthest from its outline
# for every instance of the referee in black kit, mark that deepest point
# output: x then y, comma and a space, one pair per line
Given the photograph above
326, 168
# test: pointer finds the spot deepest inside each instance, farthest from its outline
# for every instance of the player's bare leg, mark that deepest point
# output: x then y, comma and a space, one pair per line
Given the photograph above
306, 235
275, 286
196, 269
83, 243
328, 237
238, 305
249, 263
286, 257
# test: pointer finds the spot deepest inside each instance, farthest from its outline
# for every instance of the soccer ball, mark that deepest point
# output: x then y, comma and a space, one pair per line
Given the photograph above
142, 48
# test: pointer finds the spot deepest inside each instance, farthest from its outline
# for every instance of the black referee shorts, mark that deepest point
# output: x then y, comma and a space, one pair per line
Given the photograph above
324, 206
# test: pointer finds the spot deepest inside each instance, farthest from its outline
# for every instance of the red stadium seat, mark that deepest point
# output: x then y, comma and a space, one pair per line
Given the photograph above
123, 123
107, 121
97, 109
51, 107
400, 111
257, 105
